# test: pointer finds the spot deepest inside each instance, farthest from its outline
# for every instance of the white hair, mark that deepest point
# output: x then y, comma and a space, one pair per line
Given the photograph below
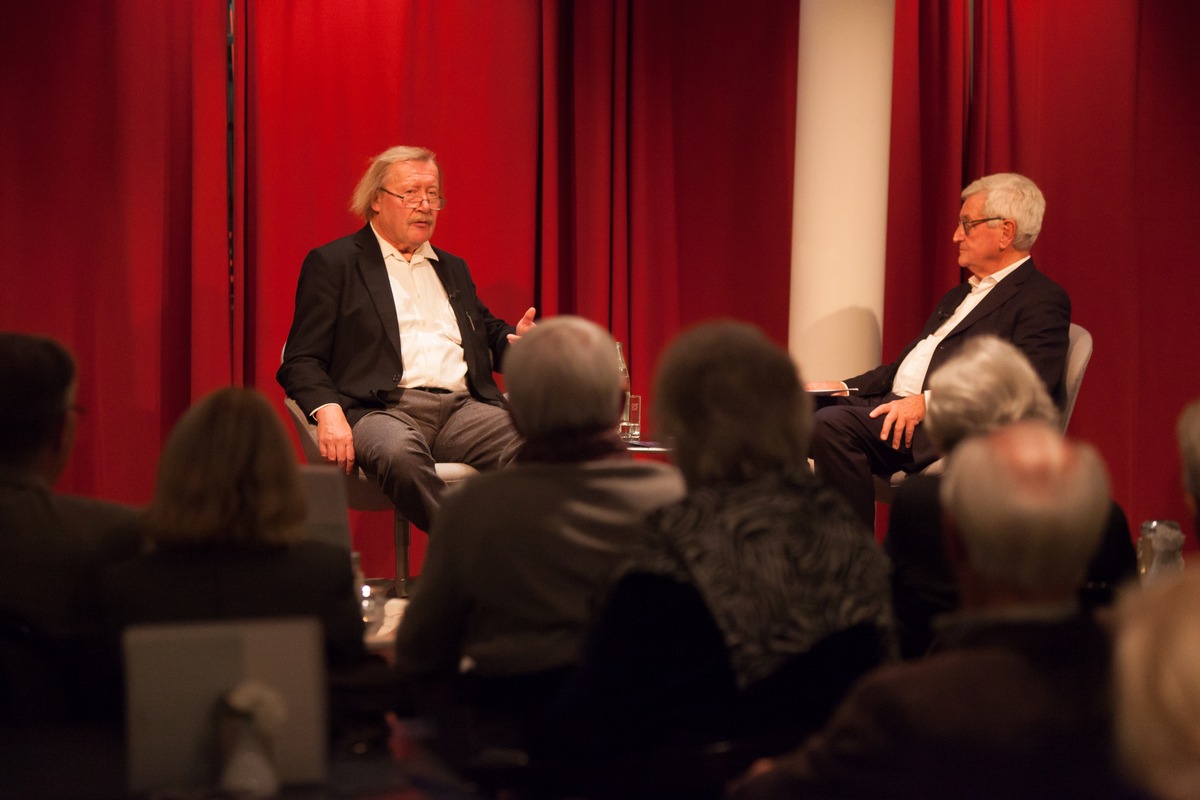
986, 384
1014, 197
373, 179
1157, 686
1029, 505
563, 376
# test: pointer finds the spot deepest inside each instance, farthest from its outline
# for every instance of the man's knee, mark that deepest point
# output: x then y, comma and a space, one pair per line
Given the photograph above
381, 439
830, 424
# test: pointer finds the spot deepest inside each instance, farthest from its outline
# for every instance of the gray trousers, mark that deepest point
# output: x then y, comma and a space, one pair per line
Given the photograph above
399, 446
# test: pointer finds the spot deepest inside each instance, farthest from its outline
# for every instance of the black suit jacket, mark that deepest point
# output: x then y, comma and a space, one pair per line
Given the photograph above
1026, 308
344, 344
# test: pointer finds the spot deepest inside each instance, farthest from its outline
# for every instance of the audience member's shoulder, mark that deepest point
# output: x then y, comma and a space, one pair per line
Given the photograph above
320, 552
114, 526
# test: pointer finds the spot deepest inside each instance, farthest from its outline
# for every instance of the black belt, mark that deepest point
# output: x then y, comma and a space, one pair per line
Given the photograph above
434, 389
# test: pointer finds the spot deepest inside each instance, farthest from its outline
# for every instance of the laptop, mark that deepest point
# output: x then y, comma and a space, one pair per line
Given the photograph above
328, 513
176, 676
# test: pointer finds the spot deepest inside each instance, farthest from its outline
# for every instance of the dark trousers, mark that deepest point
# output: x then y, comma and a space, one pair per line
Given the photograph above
400, 446
846, 450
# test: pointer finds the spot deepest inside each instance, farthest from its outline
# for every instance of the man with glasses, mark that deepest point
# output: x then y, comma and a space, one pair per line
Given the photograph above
391, 351
876, 429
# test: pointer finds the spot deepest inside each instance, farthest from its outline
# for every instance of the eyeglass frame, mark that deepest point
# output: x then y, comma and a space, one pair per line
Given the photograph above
424, 199
969, 225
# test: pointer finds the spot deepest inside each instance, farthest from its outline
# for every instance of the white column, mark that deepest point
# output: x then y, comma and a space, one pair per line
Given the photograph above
839, 209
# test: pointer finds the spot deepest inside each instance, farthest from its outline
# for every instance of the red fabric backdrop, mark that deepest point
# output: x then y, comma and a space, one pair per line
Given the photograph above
628, 161
112, 215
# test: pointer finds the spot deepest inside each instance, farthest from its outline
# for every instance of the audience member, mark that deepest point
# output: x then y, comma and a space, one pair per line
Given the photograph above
1188, 431
1157, 686
225, 532
391, 351
1017, 704
757, 598
51, 545
986, 385
518, 556
878, 430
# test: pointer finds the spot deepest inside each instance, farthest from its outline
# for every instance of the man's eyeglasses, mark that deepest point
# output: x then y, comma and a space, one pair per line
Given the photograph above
969, 224
413, 200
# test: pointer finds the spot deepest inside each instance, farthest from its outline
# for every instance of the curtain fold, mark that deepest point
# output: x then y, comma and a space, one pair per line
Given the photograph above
112, 216
930, 99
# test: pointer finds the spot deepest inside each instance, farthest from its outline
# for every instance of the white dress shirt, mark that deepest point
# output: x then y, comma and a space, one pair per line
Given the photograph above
910, 376
430, 341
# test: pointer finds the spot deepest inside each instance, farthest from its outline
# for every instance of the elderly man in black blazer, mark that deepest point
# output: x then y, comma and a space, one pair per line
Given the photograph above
877, 429
391, 351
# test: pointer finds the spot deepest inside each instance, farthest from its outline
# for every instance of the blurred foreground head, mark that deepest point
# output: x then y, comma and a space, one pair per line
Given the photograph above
228, 475
1157, 694
562, 376
37, 396
985, 385
1028, 508
731, 404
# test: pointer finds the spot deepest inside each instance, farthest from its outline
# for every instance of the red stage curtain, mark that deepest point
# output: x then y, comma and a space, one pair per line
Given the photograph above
1093, 113
929, 125
112, 215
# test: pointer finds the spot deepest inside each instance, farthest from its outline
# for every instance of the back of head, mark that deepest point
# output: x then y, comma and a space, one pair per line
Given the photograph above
228, 474
375, 176
1029, 506
1157, 686
37, 384
1014, 197
987, 384
1188, 431
563, 376
731, 404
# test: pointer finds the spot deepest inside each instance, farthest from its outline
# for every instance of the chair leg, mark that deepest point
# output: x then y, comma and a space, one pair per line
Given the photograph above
402, 538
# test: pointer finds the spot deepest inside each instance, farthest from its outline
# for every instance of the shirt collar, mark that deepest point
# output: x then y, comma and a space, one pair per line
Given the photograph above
426, 250
995, 277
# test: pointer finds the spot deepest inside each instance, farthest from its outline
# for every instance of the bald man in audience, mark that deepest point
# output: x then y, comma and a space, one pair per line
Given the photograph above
1016, 704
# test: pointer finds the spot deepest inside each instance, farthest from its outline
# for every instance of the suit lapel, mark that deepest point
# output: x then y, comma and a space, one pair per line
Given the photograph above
379, 287
1000, 294
950, 301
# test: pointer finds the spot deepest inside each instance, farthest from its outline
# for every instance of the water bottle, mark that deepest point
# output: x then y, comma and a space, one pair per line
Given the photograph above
626, 385
1163, 549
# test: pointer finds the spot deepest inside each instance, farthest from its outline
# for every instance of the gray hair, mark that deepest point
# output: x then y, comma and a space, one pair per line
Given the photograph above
730, 402
1029, 505
1014, 197
1156, 685
986, 384
373, 179
1188, 431
563, 376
